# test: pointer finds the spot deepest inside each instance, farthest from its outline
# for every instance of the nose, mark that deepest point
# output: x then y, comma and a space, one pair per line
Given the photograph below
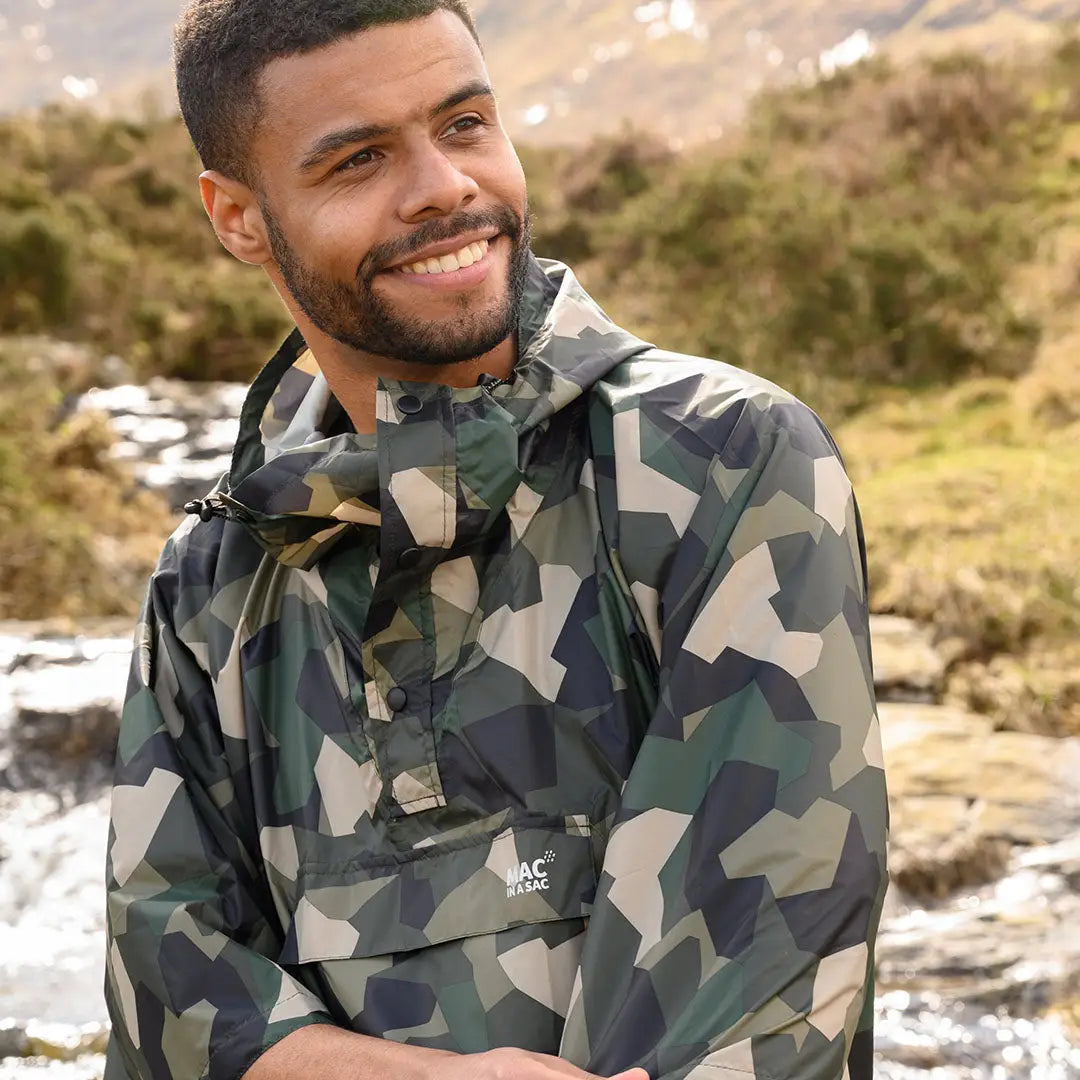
436, 187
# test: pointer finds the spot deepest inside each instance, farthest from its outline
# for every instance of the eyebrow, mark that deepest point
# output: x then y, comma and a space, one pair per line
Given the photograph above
328, 145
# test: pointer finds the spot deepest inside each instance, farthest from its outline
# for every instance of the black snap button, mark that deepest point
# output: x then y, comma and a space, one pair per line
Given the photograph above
410, 558
397, 699
409, 403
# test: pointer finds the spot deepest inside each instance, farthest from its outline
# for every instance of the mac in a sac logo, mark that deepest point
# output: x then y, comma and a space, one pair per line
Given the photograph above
529, 876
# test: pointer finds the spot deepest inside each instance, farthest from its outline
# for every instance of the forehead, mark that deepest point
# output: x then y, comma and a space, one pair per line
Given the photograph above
387, 75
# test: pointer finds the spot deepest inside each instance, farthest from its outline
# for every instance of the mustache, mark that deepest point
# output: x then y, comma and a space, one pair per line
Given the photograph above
501, 218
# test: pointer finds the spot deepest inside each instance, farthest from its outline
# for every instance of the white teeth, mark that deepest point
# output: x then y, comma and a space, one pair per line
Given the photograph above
446, 264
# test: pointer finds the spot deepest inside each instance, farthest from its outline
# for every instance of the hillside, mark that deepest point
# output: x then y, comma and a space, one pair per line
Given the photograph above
683, 68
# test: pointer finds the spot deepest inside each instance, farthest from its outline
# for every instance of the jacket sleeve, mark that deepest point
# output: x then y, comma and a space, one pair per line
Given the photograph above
191, 984
732, 935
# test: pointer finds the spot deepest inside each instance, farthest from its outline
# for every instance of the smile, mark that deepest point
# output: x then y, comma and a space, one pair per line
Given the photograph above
465, 268
447, 264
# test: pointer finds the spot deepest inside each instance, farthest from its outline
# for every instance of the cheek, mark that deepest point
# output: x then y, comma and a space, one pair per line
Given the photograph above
342, 234
505, 178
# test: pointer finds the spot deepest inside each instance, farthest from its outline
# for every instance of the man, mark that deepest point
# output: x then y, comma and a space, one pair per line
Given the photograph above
507, 711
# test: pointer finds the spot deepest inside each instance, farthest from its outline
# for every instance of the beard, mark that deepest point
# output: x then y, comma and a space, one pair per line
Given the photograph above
355, 315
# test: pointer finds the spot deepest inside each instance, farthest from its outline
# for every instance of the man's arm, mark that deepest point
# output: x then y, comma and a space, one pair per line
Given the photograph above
326, 1053
732, 935
191, 985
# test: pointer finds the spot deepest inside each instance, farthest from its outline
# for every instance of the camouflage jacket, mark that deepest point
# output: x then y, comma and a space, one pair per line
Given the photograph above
542, 717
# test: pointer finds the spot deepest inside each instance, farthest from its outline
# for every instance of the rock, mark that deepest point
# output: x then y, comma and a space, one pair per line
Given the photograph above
1011, 945
961, 861
61, 1042
178, 436
1043, 698
75, 733
150, 434
1062, 859
907, 667
123, 400
62, 708
13, 1040
199, 401
962, 796
186, 480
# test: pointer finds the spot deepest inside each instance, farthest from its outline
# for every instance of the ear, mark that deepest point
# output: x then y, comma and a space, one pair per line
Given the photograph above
236, 216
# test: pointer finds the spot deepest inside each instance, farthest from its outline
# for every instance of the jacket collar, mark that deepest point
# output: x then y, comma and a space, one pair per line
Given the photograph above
434, 473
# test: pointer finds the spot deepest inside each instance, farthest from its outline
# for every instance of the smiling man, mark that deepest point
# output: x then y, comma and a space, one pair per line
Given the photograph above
506, 712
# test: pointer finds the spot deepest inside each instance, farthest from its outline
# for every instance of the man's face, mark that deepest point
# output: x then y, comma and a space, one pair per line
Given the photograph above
382, 160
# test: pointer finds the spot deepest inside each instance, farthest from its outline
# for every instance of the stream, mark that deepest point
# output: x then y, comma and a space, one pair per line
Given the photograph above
979, 978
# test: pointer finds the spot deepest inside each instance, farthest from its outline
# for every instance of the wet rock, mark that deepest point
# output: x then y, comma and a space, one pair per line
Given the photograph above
181, 482
1008, 946
959, 790
178, 436
1062, 859
907, 667
61, 705
13, 1040
126, 400
149, 434
960, 861
72, 733
920, 1034
62, 1042
198, 401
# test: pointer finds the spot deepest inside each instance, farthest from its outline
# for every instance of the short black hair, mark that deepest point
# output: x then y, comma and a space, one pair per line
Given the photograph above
222, 46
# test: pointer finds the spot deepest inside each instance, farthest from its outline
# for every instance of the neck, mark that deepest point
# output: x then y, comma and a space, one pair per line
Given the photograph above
353, 376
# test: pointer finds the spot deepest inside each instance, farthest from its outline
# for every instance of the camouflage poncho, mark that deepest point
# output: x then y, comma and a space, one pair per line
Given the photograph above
543, 717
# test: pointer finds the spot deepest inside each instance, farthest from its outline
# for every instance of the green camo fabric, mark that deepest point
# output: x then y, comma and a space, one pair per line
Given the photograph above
543, 717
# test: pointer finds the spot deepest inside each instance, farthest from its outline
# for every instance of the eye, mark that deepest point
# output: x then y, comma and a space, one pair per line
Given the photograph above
358, 160
464, 125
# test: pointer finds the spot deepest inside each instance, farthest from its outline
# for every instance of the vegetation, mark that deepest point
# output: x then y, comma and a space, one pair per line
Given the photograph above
79, 538
901, 248
103, 240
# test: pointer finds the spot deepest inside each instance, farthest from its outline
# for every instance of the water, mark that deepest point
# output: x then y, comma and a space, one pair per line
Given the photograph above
921, 1035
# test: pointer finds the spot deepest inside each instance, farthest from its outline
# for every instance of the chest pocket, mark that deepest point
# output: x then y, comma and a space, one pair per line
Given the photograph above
537, 871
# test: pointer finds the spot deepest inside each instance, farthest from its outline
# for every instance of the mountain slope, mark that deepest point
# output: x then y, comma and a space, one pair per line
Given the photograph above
681, 67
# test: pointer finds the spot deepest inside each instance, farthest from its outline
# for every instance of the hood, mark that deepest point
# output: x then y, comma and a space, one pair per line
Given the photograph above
443, 463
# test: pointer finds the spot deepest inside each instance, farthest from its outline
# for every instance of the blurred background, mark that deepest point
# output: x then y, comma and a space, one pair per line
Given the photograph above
876, 204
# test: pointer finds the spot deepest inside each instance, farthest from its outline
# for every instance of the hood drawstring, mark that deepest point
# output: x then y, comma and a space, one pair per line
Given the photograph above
206, 509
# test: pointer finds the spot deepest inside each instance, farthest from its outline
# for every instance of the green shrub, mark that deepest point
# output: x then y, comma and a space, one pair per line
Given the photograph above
79, 538
37, 280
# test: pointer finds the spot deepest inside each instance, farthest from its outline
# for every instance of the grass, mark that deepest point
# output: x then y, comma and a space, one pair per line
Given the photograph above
970, 500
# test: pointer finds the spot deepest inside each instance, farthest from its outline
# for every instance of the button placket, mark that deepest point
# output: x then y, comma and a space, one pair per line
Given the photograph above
416, 468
